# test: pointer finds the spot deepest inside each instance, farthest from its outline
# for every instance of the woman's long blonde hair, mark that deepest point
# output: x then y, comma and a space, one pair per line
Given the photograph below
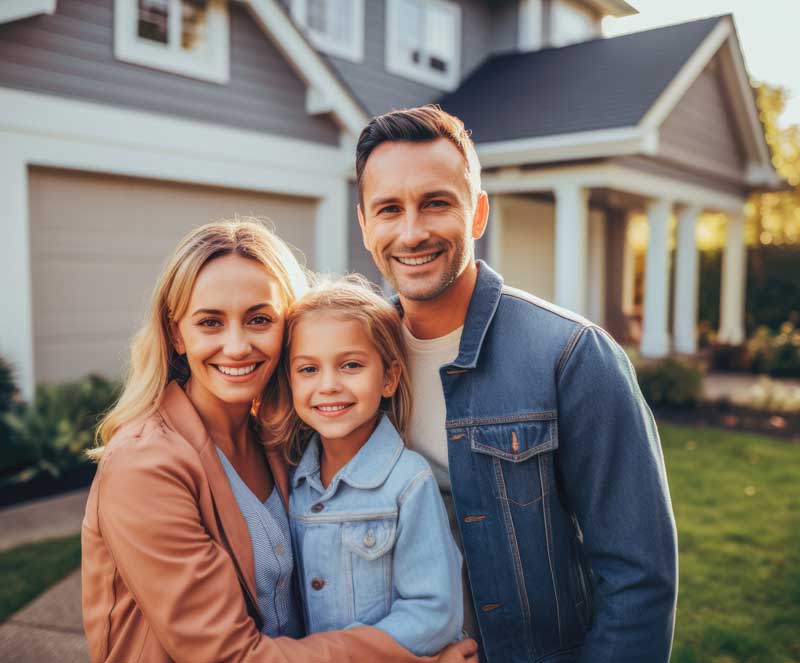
349, 298
153, 359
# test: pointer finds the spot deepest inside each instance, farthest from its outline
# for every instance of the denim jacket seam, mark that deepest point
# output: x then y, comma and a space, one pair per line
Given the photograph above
415, 481
569, 349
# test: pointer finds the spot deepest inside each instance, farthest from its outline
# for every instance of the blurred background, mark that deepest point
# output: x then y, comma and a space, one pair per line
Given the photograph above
642, 160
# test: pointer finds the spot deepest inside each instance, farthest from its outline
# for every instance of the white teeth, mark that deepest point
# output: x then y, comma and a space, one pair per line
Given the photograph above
331, 408
417, 261
244, 370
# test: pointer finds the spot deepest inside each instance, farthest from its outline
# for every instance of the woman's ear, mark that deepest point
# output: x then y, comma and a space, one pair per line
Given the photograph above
177, 339
391, 379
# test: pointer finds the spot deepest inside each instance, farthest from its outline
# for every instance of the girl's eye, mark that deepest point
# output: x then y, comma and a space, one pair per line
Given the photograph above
352, 365
308, 370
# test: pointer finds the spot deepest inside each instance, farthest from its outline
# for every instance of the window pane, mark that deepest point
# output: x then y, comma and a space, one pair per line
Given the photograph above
440, 37
153, 20
193, 26
340, 20
316, 15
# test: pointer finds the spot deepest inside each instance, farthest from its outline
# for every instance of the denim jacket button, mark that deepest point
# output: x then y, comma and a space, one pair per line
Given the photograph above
316, 508
317, 583
369, 539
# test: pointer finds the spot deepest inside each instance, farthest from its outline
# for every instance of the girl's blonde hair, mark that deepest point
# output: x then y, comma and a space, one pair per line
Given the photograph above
154, 361
349, 298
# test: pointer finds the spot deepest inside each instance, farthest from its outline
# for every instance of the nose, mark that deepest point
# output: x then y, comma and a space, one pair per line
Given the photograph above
237, 343
415, 230
329, 382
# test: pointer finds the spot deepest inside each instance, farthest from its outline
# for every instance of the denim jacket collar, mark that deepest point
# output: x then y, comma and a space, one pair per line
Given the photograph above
482, 306
369, 468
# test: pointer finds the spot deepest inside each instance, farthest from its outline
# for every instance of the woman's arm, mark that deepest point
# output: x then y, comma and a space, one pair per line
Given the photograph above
184, 582
428, 612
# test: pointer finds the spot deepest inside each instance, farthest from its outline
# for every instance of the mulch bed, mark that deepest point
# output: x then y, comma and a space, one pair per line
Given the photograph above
736, 417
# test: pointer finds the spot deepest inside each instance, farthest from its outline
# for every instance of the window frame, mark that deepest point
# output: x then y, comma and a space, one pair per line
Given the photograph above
353, 51
444, 81
213, 66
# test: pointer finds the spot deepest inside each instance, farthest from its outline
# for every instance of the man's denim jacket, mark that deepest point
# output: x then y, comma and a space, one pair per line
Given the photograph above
559, 487
375, 547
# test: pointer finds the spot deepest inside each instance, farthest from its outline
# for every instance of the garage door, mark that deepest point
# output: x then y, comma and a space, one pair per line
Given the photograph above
97, 245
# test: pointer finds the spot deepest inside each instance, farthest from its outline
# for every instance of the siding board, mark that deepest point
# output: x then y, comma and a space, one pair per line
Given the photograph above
70, 54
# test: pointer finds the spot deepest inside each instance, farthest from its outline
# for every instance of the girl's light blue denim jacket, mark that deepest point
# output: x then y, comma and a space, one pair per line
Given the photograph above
375, 547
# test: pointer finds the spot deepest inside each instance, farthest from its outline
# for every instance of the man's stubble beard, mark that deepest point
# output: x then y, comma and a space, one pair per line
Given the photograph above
461, 257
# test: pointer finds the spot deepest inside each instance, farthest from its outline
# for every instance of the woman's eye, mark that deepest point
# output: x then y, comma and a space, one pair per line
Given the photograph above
261, 320
210, 322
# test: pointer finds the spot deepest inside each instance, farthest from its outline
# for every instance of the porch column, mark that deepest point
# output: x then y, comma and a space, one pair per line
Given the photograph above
734, 263
572, 211
655, 336
16, 324
686, 278
596, 278
331, 231
628, 267
495, 233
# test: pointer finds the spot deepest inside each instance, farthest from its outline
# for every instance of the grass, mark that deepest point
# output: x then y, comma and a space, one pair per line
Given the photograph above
737, 504
26, 571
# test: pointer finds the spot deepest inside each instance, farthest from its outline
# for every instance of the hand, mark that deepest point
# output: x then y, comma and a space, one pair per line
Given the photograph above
463, 651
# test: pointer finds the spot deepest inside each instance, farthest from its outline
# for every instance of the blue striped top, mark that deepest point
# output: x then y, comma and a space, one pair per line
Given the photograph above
272, 554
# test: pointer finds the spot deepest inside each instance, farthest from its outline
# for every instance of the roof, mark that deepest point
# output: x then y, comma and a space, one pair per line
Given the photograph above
599, 84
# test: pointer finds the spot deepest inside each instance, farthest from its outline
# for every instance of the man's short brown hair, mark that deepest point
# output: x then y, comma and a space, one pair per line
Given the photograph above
425, 123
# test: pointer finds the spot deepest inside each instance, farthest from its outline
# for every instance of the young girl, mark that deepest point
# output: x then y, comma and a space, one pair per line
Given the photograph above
370, 531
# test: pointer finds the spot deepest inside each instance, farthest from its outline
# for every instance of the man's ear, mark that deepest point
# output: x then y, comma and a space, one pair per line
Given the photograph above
391, 380
176, 338
362, 223
481, 217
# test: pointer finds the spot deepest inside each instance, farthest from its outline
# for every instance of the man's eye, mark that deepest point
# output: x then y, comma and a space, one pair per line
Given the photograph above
437, 203
389, 209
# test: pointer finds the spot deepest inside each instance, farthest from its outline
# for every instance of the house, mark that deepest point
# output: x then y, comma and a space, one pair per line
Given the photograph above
125, 122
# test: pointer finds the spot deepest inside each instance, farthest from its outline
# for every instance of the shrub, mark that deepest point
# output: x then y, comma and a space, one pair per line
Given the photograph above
8, 387
60, 424
778, 354
771, 396
671, 383
735, 358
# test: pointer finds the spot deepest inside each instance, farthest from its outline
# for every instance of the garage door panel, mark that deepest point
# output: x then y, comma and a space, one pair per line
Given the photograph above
98, 244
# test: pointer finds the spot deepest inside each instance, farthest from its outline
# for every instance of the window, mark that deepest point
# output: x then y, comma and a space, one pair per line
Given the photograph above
188, 37
333, 26
423, 41
571, 24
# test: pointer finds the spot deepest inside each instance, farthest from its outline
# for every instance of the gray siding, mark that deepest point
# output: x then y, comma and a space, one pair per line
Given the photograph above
70, 54
682, 173
700, 131
484, 25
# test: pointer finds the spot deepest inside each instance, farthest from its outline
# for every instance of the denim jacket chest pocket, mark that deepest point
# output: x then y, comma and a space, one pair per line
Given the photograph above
368, 548
520, 453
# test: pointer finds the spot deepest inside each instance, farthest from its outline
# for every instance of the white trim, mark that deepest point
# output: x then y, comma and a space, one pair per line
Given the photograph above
530, 24
687, 75
354, 51
308, 64
610, 176
449, 80
41, 130
565, 147
214, 65
13, 10
616, 8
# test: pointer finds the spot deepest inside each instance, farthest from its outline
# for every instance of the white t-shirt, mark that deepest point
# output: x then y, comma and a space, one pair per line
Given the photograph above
427, 434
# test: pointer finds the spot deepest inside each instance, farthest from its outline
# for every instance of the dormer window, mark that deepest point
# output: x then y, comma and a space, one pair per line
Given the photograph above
187, 37
333, 26
423, 41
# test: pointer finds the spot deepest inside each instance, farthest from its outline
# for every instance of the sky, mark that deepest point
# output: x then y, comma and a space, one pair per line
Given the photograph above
769, 33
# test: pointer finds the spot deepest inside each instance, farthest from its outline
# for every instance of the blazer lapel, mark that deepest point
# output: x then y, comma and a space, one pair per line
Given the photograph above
181, 416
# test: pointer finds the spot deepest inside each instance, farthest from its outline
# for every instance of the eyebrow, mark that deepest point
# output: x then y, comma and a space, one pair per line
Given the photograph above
216, 311
425, 196
339, 355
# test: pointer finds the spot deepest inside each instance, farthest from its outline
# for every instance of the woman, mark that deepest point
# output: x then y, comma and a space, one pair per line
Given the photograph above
186, 553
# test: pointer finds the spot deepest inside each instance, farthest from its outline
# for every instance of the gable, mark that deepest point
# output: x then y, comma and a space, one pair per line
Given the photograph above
701, 133
70, 54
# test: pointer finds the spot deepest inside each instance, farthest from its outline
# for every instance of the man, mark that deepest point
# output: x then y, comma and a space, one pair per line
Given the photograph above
529, 415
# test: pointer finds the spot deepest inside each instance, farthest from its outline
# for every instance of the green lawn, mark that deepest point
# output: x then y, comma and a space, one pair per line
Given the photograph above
26, 571
737, 504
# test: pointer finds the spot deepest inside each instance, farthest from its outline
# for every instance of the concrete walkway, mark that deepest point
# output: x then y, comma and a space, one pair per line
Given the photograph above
738, 387
50, 628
